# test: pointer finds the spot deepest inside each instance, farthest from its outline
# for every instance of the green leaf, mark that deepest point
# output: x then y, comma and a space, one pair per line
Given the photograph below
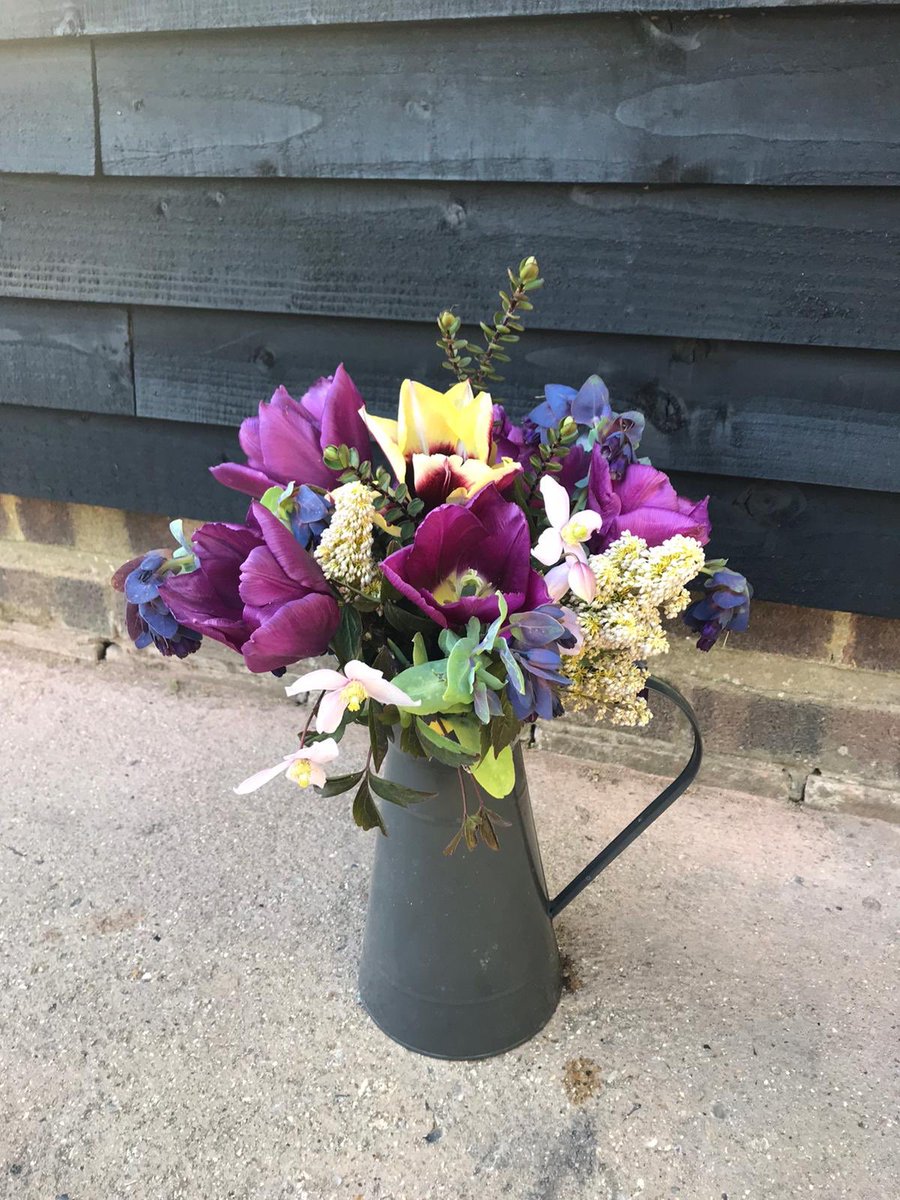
426, 683
396, 793
461, 671
409, 741
468, 733
347, 642
513, 670
441, 748
504, 729
487, 642
338, 784
405, 621
496, 773
378, 738
365, 810
419, 652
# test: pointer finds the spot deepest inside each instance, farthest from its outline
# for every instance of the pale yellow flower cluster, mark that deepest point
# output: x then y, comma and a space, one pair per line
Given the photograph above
636, 587
345, 550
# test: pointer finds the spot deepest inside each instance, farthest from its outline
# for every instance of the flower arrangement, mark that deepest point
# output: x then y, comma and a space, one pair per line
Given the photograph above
469, 574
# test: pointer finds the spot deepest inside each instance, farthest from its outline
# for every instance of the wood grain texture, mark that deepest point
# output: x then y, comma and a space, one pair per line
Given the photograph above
143, 465
47, 109
67, 356
773, 265
118, 462
70, 18
793, 541
799, 414
780, 98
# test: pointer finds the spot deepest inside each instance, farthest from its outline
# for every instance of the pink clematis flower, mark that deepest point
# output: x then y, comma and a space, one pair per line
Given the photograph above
565, 540
350, 690
305, 767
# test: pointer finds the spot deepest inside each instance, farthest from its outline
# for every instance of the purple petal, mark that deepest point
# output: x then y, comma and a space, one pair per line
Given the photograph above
341, 422
294, 561
243, 479
300, 629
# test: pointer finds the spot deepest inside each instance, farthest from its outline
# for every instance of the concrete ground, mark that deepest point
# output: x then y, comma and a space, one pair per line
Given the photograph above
177, 982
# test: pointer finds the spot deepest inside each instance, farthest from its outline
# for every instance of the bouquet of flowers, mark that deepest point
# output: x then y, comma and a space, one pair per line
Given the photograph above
469, 574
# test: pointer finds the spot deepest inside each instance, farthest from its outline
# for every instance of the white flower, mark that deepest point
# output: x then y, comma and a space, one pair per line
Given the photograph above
304, 766
358, 683
565, 539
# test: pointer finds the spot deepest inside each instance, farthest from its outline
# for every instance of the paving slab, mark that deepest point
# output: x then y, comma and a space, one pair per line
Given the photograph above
177, 981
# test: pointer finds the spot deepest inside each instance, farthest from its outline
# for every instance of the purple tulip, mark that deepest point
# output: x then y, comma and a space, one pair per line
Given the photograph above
462, 556
207, 599
284, 443
290, 609
642, 502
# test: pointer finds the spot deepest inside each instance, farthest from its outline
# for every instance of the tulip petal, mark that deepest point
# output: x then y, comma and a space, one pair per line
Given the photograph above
244, 479
386, 434
300, 629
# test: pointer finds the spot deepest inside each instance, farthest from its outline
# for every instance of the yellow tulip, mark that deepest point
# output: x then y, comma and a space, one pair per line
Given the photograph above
447, 438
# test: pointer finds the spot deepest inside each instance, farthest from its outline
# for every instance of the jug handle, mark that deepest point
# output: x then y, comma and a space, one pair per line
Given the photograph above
646, 818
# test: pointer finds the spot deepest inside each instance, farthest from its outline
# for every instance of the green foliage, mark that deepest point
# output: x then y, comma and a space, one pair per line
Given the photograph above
483, 824
347, 641
365, 810
396, 793
338, 784
442, 748
467, 360
496, 773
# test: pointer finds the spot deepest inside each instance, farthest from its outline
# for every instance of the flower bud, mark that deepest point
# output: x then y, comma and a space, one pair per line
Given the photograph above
528, 269
448, 322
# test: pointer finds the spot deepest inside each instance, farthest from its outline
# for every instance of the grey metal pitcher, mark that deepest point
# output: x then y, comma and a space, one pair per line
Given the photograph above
459, 957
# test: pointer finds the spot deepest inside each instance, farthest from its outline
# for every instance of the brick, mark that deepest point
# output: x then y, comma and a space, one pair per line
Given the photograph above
874, 644
47, 522
787, 629
863, 741
789, 728
147, 531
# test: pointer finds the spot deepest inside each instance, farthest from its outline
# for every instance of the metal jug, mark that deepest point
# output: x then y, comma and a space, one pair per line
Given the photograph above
459, 957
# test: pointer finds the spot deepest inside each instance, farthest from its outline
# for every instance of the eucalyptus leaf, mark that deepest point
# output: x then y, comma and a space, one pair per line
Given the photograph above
441, 748
513, 670
496, 773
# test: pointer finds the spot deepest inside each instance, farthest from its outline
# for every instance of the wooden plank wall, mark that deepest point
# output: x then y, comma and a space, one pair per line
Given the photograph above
199, 200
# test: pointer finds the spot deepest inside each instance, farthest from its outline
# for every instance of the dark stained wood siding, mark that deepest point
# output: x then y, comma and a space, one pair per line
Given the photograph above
720, 407
58, 18
618, 99
47, 109
270, 187
805, 265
